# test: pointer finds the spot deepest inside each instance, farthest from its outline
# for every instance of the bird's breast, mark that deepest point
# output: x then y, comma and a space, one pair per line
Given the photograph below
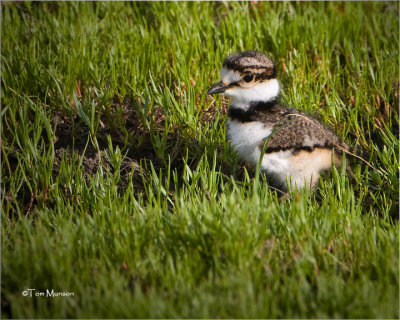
245, 137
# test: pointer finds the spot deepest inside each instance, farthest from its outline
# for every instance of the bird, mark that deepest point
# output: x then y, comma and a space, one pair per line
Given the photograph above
295, 147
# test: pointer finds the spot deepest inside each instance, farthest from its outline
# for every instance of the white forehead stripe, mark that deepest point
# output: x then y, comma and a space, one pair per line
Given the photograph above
229, 76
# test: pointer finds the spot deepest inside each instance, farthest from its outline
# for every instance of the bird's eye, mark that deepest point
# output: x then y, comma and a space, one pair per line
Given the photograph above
248, 77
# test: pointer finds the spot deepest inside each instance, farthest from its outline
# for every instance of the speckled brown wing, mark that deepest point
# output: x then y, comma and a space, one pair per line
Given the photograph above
297, 131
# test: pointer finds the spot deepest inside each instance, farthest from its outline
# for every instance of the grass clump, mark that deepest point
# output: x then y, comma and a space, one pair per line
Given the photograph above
118, 184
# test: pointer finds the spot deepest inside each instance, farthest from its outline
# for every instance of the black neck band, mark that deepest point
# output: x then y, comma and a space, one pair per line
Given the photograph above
250, 114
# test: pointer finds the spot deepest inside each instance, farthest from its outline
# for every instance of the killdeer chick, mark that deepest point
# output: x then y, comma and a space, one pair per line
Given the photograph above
297, 147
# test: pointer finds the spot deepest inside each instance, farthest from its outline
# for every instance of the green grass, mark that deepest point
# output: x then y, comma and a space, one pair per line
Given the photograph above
118, 183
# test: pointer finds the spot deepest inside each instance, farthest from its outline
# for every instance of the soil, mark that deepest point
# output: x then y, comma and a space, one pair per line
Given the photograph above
73, 136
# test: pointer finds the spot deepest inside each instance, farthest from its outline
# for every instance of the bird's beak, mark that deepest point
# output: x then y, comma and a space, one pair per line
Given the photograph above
219, 87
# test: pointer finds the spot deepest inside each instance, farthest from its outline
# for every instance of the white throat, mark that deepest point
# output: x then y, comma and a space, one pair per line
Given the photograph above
242, 97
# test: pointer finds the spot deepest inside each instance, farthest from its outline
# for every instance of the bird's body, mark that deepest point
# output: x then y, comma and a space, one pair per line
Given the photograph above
296, 147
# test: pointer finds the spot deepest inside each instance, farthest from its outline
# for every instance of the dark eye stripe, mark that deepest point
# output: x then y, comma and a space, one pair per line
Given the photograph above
264, 76
269, 73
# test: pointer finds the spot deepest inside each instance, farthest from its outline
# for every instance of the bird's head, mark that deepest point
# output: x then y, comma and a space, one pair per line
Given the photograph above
247, 77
